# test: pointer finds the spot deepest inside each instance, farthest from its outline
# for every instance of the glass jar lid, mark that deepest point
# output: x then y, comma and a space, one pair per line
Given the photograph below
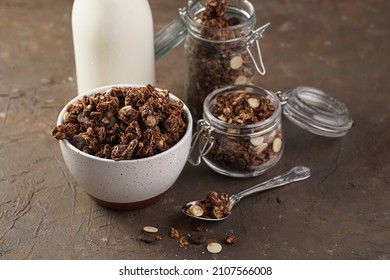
315, 111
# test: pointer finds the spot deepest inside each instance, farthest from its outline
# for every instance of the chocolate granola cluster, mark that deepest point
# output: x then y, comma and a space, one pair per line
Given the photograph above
123, 123
214, 206
241, 108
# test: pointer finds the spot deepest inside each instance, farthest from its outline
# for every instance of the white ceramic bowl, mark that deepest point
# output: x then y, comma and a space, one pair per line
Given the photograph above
126, 184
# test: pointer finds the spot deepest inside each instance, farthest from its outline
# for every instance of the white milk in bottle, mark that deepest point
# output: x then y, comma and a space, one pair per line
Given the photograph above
113, 43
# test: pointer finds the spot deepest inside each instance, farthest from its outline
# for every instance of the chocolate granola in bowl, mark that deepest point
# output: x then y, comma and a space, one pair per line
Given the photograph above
123, 123
125, 145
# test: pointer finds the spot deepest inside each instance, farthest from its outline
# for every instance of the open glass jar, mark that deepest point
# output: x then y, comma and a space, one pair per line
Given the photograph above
248, 150
240, 150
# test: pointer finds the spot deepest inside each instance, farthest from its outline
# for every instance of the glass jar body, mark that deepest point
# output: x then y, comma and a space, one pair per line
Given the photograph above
243, 150
217, 56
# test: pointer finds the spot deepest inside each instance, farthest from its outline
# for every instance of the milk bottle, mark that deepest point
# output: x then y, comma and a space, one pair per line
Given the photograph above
113, 43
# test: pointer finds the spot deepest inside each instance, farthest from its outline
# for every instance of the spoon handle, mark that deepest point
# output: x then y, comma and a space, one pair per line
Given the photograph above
296, 173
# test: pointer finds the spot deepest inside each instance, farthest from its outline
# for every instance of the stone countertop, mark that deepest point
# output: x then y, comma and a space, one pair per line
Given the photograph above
341, 212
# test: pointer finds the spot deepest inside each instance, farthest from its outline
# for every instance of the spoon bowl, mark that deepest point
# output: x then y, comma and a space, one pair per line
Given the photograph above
186, 210
295, 174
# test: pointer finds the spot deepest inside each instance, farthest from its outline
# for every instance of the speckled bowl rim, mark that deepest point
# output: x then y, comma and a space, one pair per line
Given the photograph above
103, 89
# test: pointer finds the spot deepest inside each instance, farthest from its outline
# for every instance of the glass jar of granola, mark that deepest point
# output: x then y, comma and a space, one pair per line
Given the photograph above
241, 133
218, 48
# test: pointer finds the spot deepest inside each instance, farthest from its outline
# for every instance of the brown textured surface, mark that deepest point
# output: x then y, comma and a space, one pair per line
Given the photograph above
341, 212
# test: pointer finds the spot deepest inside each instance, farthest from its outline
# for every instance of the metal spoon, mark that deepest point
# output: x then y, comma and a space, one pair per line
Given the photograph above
297, 173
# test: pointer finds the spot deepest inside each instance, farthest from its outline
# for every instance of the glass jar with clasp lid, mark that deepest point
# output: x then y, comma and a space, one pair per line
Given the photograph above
241, 132
219, 40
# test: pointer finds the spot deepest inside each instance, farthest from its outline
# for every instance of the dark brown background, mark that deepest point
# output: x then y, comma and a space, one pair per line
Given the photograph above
341, 212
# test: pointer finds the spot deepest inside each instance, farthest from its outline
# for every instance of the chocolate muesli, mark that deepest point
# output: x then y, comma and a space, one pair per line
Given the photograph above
241, 108
216, 52
123, 123
243, 153
214, 206
241, 130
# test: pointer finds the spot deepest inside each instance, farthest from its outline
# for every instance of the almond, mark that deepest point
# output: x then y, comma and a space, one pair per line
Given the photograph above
254, 102
196, 210
236, 62
257, 141
277, 145
150, 229
240, 80
214, 247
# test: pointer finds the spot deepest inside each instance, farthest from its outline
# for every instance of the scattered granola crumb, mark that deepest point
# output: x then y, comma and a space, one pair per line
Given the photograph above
183, 241
174, 233
230, 239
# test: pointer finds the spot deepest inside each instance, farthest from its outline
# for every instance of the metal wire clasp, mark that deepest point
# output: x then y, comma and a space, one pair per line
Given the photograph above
254, 38
282, 98
203, 131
